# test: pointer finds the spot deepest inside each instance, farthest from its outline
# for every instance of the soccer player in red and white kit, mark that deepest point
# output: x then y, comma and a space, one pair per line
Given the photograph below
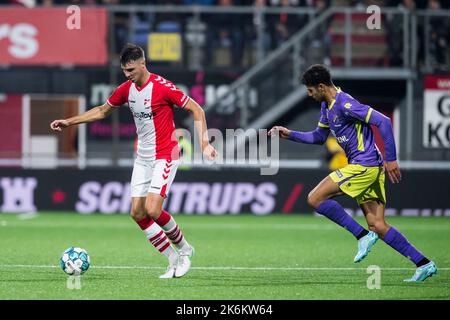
150, 98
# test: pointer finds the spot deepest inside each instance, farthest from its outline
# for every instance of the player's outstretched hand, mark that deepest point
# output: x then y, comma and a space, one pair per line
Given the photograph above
58, 125
282, 131
210, 152
393, 171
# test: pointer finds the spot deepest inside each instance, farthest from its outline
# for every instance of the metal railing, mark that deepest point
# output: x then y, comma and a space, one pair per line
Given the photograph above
296, 53
273, 76
398, 59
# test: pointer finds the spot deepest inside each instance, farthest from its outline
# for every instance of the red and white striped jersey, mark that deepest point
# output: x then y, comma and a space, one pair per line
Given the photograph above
152, 108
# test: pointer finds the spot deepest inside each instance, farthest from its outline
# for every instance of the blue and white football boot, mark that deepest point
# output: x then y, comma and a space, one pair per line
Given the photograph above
423, 272
365, 244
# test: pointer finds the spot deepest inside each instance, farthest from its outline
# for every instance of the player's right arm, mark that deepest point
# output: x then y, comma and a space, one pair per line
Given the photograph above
94, 114
117, 98
318, 136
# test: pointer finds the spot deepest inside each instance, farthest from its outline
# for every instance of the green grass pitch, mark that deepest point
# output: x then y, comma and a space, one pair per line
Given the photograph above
289, 257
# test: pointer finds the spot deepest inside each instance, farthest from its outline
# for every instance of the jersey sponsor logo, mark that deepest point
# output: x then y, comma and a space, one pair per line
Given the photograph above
142, 115
342, 139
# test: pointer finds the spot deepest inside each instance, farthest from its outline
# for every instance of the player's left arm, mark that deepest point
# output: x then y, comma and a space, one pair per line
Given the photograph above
200, 125
373, 117
383, 124
175, 96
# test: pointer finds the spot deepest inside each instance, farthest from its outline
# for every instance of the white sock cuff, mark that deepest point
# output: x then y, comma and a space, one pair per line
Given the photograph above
170, 226
152, 231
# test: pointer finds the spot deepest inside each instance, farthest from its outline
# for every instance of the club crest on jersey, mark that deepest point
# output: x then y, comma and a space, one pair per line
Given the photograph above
347, 105
146, 102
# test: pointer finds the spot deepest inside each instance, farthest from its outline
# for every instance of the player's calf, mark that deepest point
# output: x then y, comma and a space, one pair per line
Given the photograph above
158, 239
173, 232
380, 227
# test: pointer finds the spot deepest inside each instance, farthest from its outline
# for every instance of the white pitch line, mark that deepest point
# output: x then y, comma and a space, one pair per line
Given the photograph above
27, 215
210, 268
234, 226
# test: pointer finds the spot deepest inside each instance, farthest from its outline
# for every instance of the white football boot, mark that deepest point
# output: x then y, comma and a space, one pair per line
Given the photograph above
170, 271
184, 261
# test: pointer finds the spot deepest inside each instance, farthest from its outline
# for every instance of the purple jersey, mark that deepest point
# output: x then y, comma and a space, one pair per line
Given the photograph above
348, 121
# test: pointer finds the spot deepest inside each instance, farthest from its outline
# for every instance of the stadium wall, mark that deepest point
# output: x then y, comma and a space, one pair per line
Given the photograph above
215, 192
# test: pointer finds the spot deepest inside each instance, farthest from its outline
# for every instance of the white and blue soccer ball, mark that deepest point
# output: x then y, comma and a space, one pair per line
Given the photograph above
75, 261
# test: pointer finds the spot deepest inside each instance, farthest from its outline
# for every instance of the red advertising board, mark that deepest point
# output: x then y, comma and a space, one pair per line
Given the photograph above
437, 82
49, 36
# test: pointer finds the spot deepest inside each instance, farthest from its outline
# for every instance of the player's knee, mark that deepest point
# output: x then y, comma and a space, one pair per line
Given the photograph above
378, 226
152, 210
313, 200
137, 214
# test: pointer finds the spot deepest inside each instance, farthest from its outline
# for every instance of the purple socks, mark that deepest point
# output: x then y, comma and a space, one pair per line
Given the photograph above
334, 211
397, 241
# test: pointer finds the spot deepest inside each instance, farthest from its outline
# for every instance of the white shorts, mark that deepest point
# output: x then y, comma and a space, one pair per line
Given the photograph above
152, 176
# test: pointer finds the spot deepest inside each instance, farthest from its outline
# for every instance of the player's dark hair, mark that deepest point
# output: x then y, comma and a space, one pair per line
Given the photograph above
131, 52
315, 75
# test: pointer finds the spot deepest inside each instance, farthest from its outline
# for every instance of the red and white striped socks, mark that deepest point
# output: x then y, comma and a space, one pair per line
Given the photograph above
158, 238
170, 227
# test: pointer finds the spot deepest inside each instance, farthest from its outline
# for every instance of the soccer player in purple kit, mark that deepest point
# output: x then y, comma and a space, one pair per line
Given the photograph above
363, 178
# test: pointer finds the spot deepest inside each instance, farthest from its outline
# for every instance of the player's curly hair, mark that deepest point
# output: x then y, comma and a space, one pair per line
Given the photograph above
315, 75
131, 52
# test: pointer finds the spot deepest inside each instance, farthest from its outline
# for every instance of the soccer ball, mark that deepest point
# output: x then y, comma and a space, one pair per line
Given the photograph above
75, 261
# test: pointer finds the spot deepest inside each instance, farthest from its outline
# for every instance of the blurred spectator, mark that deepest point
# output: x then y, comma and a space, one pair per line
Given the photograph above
25, 3
359, 4
258, 30
83, 2
284, 25
319, 41
394, 26
169, 21
224, 31
199, 2
439, 36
